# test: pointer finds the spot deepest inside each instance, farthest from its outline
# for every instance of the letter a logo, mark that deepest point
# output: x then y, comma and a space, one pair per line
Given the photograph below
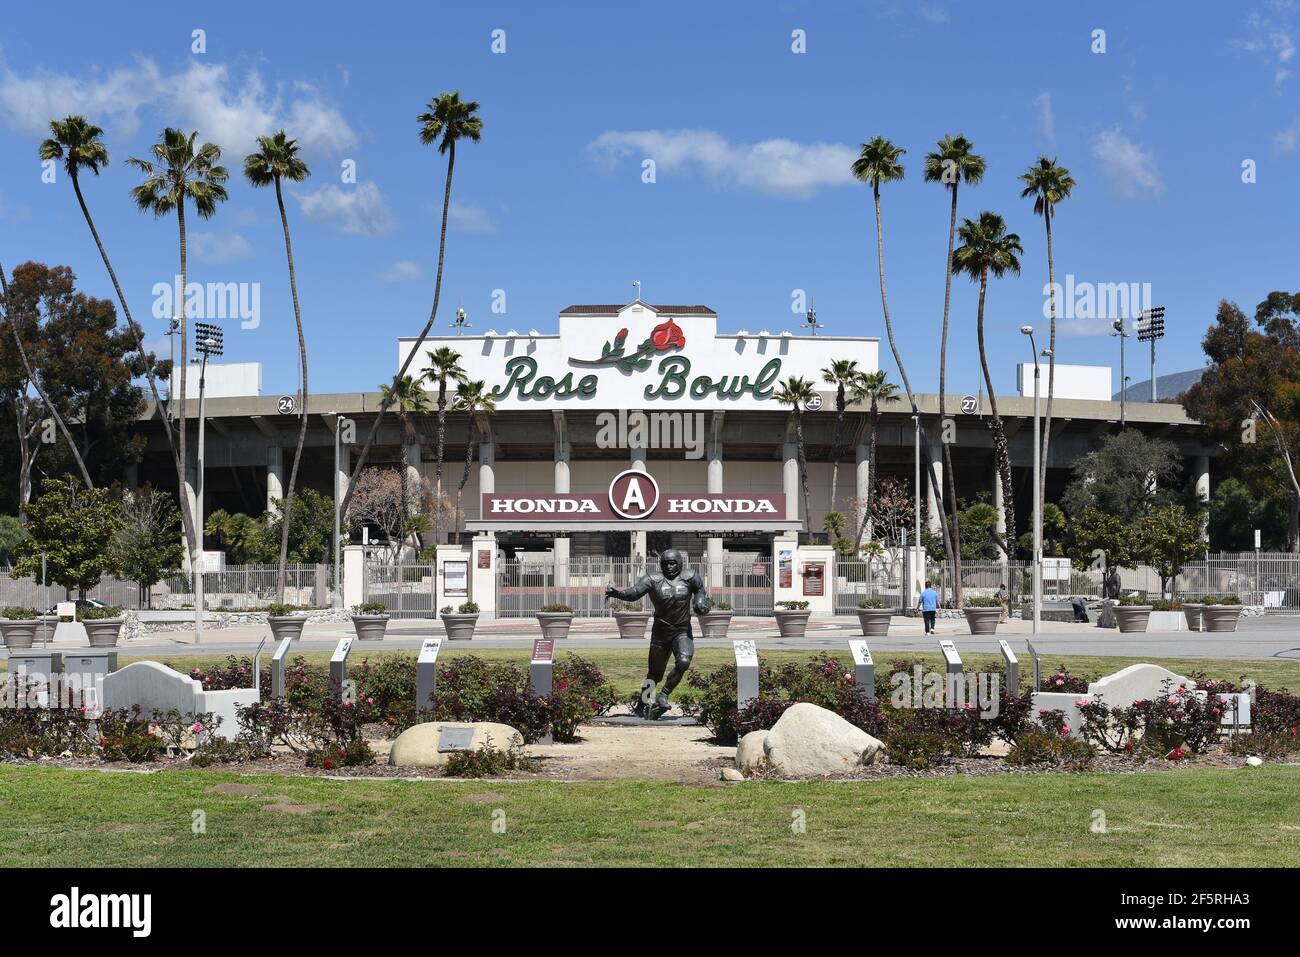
633, 494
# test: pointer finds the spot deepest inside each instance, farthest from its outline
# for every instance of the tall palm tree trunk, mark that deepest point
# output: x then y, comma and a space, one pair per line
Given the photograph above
287, 510
31, 377
469, 458
902, 373
196, 539
951, 496
1040, 493
1000, 448
437, 471
424, 333
803, 470
178, 454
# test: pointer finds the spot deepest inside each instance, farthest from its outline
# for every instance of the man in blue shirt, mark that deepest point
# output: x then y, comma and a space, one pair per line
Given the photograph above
928, 602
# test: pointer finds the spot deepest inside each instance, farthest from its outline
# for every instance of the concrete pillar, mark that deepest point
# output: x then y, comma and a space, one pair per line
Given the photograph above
790, 480
274, 478
861, 487
483, 581
487, 466
192, 496
637, 460
1202, 479
1000, 505
563, 451
341, 478
934, 521
713, 545
355, 584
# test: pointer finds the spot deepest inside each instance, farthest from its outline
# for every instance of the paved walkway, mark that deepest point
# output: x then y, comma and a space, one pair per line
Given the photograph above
1257, 638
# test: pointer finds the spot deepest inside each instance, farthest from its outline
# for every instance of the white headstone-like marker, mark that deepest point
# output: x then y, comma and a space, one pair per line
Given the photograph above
952, 664
426, 674
339, 664
746, 672
277, 668
864, 668
1038, 667
1012, 669
541, 669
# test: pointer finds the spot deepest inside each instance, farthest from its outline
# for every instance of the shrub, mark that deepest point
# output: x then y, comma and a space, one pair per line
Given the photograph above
721, 606
468, 608
1267, 744
715, 705
34, 732
1015, 711
99, 614
1040, 746
370, 608
1275, 712
1221, 600
1166, 604
446, 610
15, 613
557, 608
982, 601
1176, 720
235, 673
124, 735
617, 605
792, 605
389, 682
277, 609
347, 755
1130, 601
871, 603
1065, 683
487, 761
914, 742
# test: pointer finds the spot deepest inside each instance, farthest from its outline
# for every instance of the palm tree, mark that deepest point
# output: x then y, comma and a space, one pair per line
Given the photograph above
408, 397
444, 364
797, 392
447, 120
180, 172
952, 162
473, 398
841, 373
986, 247
40, 390
275, 160
878, 163
1048, 184
876, 388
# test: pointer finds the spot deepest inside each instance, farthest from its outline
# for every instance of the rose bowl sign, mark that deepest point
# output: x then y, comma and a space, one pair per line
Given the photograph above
633, 496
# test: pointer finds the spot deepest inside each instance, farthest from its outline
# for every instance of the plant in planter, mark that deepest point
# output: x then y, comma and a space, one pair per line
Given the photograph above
874, 617
461, 622
370, 620
555, 620
1192, 608
1132, 613
716, 622
285, 621
19, 626
792, 618
631, 617
982, 613
103, 625
1221, 612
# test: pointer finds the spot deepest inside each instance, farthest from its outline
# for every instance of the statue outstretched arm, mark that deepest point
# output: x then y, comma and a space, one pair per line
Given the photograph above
639, 589
701, 603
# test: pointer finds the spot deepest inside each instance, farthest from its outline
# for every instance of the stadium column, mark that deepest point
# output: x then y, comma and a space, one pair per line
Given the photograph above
715, 479
563, 452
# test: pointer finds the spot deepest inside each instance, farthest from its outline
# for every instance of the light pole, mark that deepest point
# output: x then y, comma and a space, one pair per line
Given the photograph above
1038, 508
338, 544
1150, 328
913, 583
173, 328
1118, 326
209, 341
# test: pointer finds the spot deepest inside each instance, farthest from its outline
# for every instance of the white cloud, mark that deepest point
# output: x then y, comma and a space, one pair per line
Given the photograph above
1132, 170
227, 110
1288, 139
932, 14
219, 247
467, 218
1046, 118
777, 167
356, 209
404, 270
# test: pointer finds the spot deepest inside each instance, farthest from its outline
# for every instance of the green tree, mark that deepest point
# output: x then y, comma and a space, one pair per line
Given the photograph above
988, 249
952, 162
1125, 476
1235, 513
407, 395
1055, 527
797, 392
146, 545
311, 527
1167, 538
72, 526
844, 375
475, 399
12, 534
876, 388
1095, 533
180, 173
980, 539
1047, 184
242, 537
444, 366
446, 121
277, 160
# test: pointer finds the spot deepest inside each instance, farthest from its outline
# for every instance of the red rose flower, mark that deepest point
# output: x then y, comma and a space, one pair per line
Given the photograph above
327, 764
622, 334
667, 335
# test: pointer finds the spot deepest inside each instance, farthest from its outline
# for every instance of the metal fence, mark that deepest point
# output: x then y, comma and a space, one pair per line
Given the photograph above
407, 588
857, 579
248, 586
28, 593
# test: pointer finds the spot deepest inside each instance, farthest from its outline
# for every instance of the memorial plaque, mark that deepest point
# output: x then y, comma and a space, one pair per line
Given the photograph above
66, 609
455, 579
1038, 670
544, 649
746, 672
1236, 710
541, 672
1012, 667
864, 668
785, 568
454, 739
484, 558
953, 690
814, 578
426, 673
339, 664
277, 667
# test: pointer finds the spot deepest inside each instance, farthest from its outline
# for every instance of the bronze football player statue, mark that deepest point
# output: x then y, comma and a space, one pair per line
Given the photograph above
674, 597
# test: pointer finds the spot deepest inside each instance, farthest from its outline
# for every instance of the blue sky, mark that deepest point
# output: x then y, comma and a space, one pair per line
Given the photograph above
751, 140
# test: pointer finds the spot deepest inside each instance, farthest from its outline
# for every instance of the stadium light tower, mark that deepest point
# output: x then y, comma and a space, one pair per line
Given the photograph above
209, 340
1150, 327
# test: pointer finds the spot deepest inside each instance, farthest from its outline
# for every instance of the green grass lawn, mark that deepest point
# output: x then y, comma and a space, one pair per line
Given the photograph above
625, 667
1245, 817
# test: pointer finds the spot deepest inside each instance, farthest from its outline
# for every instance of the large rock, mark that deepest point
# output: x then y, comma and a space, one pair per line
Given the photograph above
751, 755
417, 746
808, 741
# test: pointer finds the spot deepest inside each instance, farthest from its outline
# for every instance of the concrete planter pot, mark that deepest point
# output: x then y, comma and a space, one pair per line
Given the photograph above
1131, 618
982, 621
1221, 618
1192, 612
715, 624
555, 624
369, 627
632, 624
792, 623
102, 632
286, 626
19, 632
875, 621
460, 626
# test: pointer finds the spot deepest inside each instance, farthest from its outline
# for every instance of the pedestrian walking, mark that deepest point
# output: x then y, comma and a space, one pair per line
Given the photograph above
928, 602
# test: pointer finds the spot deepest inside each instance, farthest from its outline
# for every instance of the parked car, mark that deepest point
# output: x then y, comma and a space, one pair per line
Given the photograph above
80, 603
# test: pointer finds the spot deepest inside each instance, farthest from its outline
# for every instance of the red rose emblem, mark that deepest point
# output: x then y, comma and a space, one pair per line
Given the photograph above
667, 335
